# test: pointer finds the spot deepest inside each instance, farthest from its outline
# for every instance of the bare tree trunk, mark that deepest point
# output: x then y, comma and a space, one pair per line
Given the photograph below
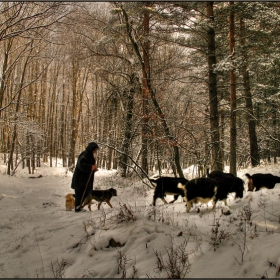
79, 81
13, 143
42, 108
145, 91
274, 125
8, 46
233, 133
213, 99
63, 126
52, 132
75, 113
222, 136
123, 159
158, 160
254, 150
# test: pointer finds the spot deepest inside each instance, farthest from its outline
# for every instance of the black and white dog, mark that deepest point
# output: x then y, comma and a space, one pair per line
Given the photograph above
216, 187
200, 190
259, 180
168, 186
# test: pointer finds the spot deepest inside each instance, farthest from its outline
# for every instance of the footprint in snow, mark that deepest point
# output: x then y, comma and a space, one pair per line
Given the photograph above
48, 204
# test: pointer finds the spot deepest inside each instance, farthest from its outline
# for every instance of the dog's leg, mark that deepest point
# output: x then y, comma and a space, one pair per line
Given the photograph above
189, 205
175, 198
108, 201
85, 202
98, 206
164, 201
89, 206
225, 202
214, 204
154, 200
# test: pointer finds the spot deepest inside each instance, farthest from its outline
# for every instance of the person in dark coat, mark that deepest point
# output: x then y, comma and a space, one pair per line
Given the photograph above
83, 177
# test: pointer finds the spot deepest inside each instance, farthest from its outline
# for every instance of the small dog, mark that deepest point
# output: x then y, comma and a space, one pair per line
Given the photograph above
70, 202
100, 196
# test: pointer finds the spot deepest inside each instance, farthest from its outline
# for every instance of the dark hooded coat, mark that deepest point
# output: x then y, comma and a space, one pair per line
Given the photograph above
83, 169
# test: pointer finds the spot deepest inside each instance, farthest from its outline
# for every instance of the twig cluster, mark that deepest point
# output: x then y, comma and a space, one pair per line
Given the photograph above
59, 269
160, 215
122, 262
276, 217
177, 264
270, 265
245, 226
86, 237
124, 214
218, 235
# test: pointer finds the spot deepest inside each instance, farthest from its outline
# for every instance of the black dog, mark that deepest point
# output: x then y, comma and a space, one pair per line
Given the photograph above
168, 186
259, 180
228, 183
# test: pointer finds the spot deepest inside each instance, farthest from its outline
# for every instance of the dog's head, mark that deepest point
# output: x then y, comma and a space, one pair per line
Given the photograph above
250, 185
239, 187
113, 192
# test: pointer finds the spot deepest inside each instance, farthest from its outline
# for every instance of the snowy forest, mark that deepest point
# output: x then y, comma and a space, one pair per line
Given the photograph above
158, 85
172, 89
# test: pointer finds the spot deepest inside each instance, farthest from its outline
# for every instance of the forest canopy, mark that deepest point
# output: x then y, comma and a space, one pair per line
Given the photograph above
158, 85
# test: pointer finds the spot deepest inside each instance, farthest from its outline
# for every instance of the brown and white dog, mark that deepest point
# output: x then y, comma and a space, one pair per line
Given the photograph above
100, 196
70, 202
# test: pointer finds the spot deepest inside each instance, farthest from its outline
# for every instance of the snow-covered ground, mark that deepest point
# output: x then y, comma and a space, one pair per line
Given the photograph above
134, 240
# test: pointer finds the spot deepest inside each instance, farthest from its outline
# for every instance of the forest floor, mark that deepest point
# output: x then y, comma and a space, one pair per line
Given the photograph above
40, 239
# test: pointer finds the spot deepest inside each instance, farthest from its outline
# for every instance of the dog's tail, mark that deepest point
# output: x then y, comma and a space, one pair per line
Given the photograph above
181, 186
248, 176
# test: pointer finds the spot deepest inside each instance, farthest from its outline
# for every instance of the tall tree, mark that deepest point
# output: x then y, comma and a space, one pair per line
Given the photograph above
145, 88
19, 19
17, 110
217, 163
251, 120
232, 92
126, 141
